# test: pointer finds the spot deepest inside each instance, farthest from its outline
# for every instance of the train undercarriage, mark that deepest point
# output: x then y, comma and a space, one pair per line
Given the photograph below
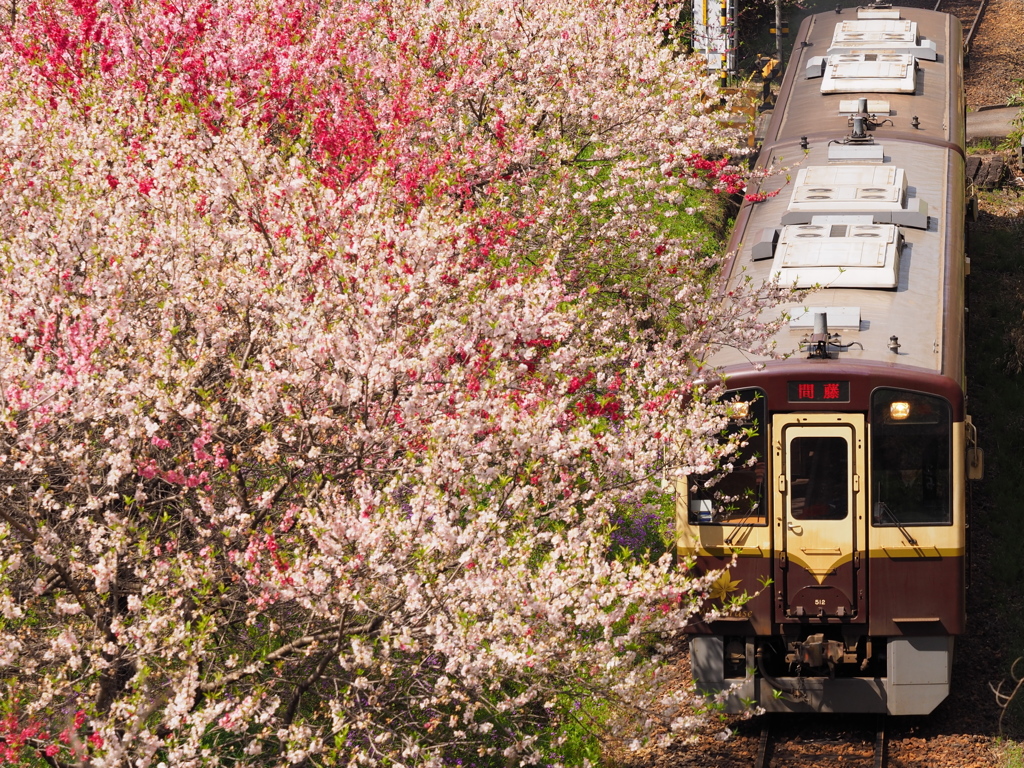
832, 671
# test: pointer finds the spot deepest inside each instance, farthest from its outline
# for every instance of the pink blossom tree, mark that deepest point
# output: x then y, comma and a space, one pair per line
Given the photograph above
334, 334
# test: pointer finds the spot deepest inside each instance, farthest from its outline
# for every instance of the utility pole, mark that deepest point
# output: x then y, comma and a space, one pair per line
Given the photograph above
778, 32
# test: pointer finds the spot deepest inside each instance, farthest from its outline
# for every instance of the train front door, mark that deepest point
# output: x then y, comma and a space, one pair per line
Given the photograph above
820, 504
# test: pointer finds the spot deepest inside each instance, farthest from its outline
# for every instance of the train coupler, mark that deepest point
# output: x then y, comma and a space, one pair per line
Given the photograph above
817, 652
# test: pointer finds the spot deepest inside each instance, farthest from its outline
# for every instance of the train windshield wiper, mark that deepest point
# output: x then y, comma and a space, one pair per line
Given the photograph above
882, 507
741, 527
750, 520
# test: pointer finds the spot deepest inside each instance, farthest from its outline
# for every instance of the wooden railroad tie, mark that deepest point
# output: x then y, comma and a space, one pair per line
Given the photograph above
986, 171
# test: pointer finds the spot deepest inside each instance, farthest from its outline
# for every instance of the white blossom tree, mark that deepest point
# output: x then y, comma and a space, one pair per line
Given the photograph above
334, 335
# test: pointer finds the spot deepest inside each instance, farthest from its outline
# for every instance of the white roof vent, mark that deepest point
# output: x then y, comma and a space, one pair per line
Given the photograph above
854, 189
838, 252
865, 175
885, 34
845, 189
873, 33
870, 72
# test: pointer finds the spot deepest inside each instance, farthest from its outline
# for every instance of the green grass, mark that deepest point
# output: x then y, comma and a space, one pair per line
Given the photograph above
581, 721
1011, 754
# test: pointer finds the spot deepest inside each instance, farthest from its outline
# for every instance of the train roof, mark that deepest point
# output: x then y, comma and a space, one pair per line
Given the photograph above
869, 125
825, 44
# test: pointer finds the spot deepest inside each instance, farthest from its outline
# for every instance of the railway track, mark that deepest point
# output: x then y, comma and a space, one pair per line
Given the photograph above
969, 12
858, 742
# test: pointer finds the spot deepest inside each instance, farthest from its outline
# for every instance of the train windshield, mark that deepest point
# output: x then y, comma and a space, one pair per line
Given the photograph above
911, 459
819, 475
738, 497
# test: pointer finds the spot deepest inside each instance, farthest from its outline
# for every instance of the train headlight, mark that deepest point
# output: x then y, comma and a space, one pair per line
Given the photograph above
740, 410
899, 410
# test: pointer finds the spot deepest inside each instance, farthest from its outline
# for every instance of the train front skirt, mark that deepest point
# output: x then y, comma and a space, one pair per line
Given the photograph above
916, 680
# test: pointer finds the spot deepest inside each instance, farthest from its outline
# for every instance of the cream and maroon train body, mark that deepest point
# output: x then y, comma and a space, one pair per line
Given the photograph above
848, 523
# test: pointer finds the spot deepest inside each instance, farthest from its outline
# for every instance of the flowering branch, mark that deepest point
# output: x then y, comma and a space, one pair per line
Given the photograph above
336, 338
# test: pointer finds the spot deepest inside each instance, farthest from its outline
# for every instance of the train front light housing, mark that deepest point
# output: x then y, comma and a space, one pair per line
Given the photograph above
899, 410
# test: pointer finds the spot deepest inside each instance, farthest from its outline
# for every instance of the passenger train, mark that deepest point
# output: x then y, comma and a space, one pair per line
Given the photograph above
845, 520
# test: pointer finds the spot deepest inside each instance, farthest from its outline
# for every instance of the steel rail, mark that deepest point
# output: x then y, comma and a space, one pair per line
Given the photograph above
764, 746
881, 745
769, 734
969, 37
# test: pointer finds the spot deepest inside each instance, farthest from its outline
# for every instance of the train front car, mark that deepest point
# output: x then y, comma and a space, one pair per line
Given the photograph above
846, 521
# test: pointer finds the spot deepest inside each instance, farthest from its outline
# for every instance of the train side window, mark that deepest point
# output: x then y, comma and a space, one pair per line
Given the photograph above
911, 459
740, 496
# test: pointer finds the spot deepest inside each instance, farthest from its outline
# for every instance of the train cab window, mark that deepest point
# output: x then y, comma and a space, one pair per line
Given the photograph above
738, 497
819, 477
911, 459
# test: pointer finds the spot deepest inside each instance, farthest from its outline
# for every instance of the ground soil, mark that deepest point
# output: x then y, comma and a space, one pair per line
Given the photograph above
996, 58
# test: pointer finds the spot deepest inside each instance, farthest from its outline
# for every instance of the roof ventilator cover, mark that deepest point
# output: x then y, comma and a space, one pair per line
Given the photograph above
838, 252
880, 72
880, 190
882, 35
